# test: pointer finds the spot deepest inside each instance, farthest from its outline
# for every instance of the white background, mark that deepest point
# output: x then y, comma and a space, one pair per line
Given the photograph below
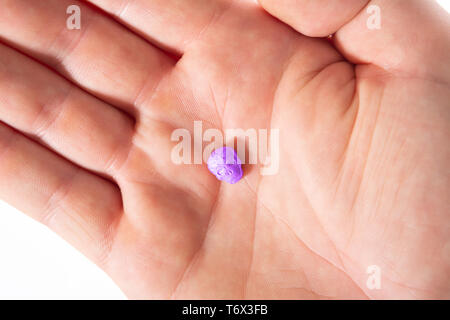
37, 264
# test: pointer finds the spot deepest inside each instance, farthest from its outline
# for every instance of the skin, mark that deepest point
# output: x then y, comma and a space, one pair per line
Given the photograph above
364, 178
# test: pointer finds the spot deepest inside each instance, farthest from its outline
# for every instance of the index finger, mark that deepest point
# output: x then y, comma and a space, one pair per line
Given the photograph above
405, 37
170, 24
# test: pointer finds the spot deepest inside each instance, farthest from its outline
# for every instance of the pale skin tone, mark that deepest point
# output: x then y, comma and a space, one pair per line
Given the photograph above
86, 118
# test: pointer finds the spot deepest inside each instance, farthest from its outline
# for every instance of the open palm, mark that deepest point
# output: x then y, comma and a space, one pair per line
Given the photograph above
364, 179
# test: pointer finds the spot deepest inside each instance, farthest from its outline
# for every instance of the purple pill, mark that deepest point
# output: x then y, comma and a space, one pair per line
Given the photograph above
225, 164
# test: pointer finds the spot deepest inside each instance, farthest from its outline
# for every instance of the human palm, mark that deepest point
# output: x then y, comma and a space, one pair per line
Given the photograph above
364, 155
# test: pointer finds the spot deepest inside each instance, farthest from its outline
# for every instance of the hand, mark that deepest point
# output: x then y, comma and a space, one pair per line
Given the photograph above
364, 174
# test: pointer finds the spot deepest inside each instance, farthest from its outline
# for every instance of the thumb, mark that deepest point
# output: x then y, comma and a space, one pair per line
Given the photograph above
405, 37
314, 18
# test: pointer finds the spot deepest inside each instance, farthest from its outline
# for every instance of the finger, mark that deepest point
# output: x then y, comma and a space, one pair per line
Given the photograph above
172, 24
102, 57
317, 18
410, 37
35, 100
413, 39
79, 206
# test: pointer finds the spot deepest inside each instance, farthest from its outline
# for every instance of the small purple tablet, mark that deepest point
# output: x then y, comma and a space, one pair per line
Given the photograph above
225, 164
